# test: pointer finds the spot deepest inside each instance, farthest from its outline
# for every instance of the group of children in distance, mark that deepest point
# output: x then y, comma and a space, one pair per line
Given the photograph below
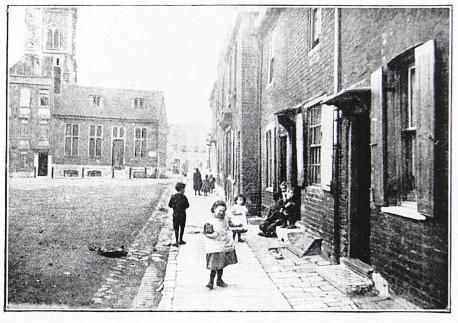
219, 245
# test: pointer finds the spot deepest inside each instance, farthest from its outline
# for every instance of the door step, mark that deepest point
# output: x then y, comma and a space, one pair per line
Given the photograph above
358, 266
346, 280
299, 242
254, 220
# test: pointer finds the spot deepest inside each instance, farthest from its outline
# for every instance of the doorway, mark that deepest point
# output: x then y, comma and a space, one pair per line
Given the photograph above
43, 164
282, 175
118, 154
359, 176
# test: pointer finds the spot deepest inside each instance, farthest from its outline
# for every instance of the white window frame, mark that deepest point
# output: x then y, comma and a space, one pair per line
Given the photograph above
95, 137
95, 101
72, 136
138, 103
271, 56
52, 42
315, 26
44, 93
142, 140
314, 146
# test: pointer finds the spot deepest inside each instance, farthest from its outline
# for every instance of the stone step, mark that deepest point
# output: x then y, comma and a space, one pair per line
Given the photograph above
346, 280
299, 242
358, 266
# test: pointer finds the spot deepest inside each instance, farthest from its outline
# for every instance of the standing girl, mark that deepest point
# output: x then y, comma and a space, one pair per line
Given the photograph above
237, 217
218, 244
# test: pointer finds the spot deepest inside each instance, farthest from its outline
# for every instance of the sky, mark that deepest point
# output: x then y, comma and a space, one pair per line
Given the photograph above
171, 49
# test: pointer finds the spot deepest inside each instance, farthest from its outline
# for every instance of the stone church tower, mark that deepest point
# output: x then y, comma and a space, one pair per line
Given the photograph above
50, 39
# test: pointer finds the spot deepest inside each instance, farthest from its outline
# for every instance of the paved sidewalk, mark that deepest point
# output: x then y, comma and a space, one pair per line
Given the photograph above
184, 287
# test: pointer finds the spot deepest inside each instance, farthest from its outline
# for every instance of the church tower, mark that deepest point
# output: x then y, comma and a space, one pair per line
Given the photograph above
51, 38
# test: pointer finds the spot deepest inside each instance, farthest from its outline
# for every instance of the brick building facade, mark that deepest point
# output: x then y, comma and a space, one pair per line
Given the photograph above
235, 113
353, 110
57, 128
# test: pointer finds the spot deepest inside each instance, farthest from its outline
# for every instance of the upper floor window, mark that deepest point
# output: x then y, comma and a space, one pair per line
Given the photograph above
95, 100
25, 97
315, 27
71, 139
44, 97
138, 103
140, 142
54, 39
271, 58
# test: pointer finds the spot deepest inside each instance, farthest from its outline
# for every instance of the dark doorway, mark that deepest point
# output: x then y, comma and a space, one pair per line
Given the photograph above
282, 176
359, 186
42, 164
118, 154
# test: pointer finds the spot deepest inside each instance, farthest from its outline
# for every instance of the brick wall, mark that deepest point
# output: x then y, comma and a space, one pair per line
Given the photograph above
410, 254
301, 73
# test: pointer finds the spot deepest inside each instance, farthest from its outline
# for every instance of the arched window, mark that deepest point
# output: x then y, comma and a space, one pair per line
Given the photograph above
54, 39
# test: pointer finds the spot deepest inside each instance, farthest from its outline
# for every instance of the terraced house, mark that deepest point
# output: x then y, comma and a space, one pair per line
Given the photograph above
352, 108
58, 128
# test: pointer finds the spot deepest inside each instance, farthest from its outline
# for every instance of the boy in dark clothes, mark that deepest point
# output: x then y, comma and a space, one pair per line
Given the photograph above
274, 218
179, 203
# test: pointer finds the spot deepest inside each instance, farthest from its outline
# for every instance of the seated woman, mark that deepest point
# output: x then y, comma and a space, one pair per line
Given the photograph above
274, 218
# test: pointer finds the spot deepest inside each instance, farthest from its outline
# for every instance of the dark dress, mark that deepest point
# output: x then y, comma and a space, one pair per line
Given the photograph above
274, 218
197, 181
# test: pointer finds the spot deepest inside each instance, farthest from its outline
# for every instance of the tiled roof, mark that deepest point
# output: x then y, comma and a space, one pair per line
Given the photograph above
74, 100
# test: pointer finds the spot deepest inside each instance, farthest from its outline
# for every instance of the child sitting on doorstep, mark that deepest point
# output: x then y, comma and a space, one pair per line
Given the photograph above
237, 217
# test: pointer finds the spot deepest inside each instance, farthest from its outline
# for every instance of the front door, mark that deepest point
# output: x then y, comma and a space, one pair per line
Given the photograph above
118, 154
359, 187
43, 164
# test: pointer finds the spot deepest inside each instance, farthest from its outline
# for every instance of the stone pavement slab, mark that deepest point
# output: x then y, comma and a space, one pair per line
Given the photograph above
249, 287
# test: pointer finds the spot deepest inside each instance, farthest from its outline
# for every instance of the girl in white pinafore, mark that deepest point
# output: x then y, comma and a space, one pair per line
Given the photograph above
237, 217
218, 244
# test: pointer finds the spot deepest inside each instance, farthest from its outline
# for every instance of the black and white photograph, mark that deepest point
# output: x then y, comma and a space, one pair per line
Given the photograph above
232, 157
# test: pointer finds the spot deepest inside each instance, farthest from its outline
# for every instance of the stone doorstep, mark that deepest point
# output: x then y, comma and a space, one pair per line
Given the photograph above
299, 242
357, 266
346, 280
254, 220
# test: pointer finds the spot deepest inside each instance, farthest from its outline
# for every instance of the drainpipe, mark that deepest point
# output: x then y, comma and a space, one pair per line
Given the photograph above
337, 127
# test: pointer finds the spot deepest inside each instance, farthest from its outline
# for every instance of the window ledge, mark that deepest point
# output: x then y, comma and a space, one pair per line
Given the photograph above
406, 212
269, 189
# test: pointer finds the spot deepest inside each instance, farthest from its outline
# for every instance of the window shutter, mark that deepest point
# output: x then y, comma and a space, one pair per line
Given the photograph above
299, 148
327, 120
424, 65
377, 137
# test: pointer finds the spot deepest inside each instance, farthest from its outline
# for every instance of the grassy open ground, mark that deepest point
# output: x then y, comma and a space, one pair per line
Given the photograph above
52, 223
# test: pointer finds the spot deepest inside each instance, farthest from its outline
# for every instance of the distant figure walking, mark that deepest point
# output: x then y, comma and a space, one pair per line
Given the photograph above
197, 181
206, 185
179, 203
212, 181
218, 244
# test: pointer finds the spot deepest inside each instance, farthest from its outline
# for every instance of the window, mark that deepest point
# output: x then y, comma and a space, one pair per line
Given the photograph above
314, 145
44, 97
138, 103
57, 79
71, 139
269, 157
407, 143
315, 27
23, 160
140, 142
118, 132
25, 96
54, 39
94, 100
95, 141
271, 58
